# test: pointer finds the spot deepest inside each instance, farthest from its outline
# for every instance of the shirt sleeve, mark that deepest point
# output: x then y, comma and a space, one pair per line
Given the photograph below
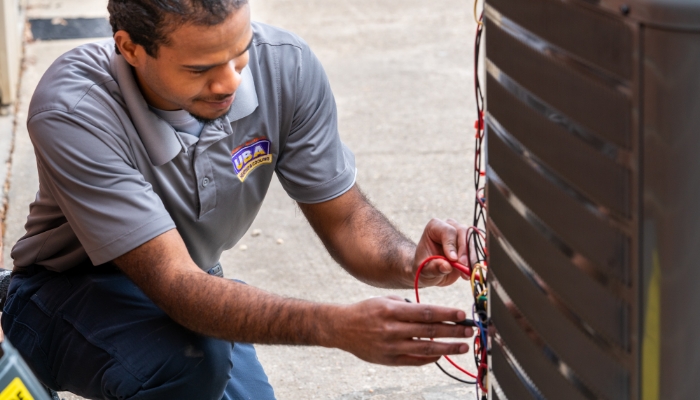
314, 165
108, 204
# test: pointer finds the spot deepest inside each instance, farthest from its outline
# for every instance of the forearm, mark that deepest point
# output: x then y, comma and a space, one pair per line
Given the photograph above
374, 251
365, 243
219, 307
242, 313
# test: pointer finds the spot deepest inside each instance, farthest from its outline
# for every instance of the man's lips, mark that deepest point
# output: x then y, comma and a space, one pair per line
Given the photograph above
221, 103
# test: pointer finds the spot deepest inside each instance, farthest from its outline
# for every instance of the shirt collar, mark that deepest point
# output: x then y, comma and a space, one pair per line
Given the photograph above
246, 100
159, 138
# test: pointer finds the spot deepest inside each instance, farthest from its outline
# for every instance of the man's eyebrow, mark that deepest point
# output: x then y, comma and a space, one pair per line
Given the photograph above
209, 66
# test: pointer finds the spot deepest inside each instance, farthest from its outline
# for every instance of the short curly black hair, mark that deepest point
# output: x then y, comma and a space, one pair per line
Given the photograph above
149, 22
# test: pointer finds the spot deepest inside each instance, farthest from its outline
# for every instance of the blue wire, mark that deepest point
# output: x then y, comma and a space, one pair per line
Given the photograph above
482, 330
477, 322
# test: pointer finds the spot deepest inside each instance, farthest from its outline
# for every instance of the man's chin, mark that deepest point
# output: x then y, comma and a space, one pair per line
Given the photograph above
208, 119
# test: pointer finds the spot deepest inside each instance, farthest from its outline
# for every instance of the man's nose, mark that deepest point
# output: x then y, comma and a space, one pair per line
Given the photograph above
227, 80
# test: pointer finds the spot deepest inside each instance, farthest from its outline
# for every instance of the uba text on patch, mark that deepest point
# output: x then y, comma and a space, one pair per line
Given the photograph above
250, 156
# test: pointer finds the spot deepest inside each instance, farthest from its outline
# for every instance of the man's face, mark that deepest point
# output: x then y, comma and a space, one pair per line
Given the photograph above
199, 70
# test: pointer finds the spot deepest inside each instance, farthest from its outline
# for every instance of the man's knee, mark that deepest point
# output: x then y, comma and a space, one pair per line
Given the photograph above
212, 363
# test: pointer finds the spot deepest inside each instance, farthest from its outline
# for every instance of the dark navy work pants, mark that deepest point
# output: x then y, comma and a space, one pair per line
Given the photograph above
97, 335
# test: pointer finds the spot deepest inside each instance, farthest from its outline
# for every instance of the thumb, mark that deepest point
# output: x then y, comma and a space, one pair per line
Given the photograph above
436, 268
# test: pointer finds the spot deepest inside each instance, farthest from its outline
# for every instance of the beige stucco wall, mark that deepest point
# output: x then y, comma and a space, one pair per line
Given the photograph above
11, 24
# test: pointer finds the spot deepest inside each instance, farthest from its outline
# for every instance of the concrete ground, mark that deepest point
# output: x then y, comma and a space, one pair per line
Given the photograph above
402, 75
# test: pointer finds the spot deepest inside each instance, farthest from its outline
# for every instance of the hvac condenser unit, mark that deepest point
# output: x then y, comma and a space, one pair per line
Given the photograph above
593, 194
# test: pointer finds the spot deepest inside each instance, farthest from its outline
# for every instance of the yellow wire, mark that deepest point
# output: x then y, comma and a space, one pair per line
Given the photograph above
473, 277
478, 267
482, 270
476, 17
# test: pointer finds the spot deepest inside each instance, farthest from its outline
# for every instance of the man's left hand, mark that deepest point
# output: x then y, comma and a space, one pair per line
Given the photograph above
441, 238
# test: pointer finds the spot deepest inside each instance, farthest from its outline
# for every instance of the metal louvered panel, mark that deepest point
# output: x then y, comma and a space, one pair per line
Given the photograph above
563, 229
593, 166
593, 158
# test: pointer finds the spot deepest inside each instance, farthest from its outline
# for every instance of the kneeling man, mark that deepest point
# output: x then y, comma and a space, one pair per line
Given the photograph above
155, 151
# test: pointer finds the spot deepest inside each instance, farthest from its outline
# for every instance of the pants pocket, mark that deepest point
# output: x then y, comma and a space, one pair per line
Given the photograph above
25, 340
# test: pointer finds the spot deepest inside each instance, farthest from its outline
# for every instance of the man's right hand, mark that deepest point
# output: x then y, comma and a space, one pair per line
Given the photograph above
390, 331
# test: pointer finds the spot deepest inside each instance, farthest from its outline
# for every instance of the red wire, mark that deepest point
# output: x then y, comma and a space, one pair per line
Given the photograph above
482, 365
454, 264
459, 267
462, 369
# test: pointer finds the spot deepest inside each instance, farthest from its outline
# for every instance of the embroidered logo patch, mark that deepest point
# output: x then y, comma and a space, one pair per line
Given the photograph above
250, 156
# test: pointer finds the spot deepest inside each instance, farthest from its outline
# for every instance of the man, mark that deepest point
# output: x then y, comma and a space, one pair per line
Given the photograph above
155, 151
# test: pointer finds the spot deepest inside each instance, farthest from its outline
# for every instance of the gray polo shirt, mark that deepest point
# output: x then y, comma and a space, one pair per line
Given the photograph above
113, 174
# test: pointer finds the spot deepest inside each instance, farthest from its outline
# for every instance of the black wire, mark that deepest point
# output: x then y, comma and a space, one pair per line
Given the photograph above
479, 215
454, 377
478, 245
479, 212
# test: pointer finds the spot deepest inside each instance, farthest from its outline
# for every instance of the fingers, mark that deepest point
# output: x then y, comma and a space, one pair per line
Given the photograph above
462, 243
452, 236
424, 313
443, 238
390, 331
426, 321
443, 234
396, 308
430, 348
421, 352
440, 331
427, 331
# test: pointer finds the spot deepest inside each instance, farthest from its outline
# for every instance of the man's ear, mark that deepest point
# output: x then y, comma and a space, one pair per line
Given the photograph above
132, 52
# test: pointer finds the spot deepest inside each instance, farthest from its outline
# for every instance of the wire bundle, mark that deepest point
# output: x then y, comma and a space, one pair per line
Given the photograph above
476, 236
476, 269
477, 239
479, 315
477, 278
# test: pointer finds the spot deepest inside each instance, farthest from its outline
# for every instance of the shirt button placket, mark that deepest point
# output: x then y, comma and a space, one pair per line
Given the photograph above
206, 185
